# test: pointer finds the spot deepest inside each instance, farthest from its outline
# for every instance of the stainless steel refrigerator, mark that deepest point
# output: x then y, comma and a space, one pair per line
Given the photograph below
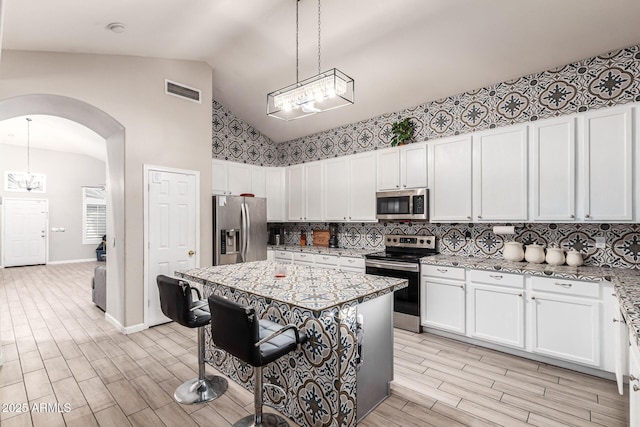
239, 229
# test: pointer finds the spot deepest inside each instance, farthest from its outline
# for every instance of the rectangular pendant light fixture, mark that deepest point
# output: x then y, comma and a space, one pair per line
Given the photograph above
323, 92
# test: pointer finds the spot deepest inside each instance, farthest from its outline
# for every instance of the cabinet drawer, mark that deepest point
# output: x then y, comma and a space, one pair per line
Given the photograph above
330, 260
497, 278
349, 262
567, 287
455, 273
302, 257
284, 255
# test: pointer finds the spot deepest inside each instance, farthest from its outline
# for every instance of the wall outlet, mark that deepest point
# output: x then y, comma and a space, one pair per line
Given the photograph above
599, 242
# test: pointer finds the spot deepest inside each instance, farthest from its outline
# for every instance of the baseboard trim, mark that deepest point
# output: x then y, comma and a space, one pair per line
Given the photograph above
122, 329
70, 261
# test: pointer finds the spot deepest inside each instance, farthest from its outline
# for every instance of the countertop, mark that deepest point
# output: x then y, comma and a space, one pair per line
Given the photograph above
356, 253
626, 282
313, 288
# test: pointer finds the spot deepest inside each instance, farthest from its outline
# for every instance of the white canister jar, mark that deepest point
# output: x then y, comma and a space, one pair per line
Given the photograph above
574, 258
555, 256
513, 251
534, 254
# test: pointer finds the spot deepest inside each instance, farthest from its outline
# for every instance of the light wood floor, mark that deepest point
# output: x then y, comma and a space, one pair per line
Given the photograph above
58, 348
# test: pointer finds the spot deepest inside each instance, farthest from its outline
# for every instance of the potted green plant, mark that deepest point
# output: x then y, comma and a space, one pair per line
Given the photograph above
402, 132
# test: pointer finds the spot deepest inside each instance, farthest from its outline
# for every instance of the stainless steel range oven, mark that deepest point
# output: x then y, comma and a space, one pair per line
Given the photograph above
401, 259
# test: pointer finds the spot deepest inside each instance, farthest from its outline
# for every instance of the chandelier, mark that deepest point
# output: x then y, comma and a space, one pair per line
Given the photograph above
322, 92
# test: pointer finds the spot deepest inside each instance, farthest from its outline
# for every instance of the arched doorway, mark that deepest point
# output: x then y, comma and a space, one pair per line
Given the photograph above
114, 134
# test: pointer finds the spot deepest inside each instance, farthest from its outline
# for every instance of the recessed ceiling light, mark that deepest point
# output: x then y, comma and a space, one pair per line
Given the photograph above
116, 27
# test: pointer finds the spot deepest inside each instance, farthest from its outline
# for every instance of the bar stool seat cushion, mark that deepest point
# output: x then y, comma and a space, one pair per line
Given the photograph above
277, 346
177, 303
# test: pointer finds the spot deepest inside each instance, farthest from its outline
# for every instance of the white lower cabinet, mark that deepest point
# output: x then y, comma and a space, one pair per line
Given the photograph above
570, 320
496, 314
566, 319
285, 257
303, 258
326, 261
444, 299
634, 383
353, 264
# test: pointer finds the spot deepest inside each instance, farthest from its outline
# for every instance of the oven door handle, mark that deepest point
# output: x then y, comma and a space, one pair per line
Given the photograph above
399, 266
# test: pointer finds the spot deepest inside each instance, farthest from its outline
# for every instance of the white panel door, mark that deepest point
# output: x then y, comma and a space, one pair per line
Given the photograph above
172, 232
443, 304
362, 187
413, 165
554, 169
335, 190
450, 183
258, 185
25, 232
219, 176
607, 147
500, 174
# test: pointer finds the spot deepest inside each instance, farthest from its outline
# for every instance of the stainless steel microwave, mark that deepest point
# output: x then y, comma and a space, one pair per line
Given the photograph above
403, 204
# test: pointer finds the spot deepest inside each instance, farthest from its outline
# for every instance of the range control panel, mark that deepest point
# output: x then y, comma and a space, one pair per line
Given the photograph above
407, 241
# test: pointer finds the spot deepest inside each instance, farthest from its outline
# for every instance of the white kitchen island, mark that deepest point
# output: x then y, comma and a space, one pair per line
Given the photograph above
344, 369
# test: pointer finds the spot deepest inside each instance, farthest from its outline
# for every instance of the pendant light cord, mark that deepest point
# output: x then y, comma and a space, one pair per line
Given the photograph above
297, 73
319, 68
28, 146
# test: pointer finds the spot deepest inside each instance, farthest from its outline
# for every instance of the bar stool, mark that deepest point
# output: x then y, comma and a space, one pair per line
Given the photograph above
177, 304
237, 330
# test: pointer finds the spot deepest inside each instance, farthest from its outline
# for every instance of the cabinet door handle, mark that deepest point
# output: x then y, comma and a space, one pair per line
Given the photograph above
564, 285
632, 377
468, 217
462, 287
442, 270
496, 276
572, 216
479, 216
533, 297
635, 387
587, 216
519, 295
615, 320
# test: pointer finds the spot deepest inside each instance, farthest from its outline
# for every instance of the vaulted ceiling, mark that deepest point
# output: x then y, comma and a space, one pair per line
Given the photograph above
401, 53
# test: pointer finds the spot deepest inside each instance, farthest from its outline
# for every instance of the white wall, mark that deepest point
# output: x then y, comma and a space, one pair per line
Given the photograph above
66, 173
159, 129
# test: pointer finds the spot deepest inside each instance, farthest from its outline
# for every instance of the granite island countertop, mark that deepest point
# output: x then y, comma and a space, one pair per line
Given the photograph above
626, 282
313, 288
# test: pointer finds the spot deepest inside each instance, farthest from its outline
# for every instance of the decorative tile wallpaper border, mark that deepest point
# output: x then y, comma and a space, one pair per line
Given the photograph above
622, 241
603, 81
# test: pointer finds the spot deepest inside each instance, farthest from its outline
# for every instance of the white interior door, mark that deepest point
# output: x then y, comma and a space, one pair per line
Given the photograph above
25, 232
172, 232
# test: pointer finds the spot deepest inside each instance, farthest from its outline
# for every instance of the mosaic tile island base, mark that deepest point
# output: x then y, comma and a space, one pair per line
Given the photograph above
320, 380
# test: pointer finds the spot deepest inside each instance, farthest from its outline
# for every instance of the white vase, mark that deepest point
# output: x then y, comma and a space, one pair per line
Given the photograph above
574, 258
534, 254
555, 256
513, 251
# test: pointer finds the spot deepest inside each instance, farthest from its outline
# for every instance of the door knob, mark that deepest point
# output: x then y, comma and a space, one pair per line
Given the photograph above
191, 253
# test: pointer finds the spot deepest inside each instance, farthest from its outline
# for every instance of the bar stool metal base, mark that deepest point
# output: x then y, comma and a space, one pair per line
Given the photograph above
268, 420
200, 390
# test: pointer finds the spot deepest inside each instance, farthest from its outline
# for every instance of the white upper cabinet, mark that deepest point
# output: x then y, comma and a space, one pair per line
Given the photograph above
607, 165
219, 177
389, 169
413, 166
362, 187
553, 169
313, 191
336, 193
350, 188
230, 177
295, 196
239, 178
275, 193
402, 167
258, 184
450, 179
500, 174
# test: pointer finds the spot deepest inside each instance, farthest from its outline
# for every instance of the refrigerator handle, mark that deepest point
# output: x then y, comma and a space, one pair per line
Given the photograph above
247, 242
243, 232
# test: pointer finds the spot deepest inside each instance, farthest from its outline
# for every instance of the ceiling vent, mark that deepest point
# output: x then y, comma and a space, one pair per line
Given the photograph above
182, 91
